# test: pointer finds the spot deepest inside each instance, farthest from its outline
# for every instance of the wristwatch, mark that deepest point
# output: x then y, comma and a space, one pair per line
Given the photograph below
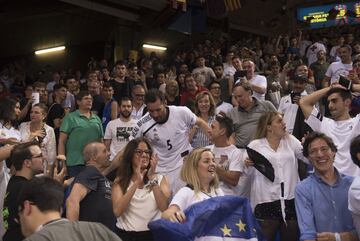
153, 182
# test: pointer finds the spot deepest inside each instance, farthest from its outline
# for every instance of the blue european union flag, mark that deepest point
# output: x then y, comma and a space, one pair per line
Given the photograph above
219, 217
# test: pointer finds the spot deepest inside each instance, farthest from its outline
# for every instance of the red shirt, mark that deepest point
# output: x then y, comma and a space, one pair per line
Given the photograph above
187, 96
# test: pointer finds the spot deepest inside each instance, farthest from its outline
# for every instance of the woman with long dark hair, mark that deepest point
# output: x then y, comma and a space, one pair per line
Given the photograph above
139, 194
9, 113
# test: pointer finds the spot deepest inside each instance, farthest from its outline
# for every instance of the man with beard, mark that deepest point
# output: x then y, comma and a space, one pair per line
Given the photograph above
225, 81
167, 128
121, 84
118, 131
56, 111
28, 161
90, 197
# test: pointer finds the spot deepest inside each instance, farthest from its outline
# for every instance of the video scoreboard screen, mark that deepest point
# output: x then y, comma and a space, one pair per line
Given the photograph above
340, 14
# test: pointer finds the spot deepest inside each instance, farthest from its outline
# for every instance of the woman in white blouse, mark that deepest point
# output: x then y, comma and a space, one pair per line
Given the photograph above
199, 173
273, 202
9, 113
139, 195
36, 129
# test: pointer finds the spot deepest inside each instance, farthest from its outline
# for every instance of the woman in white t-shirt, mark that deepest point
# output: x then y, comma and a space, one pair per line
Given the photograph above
273, 202
139, 195
199, 172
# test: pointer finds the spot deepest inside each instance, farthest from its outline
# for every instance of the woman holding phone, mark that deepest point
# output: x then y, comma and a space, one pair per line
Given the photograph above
37, 130
139, 195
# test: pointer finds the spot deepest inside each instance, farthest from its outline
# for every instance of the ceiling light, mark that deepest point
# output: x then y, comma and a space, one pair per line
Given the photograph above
149, 46
49, 50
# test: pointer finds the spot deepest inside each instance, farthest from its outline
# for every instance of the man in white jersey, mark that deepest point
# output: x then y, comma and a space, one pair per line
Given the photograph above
227, 157
340, 68
341, 128
118, 131
167, 129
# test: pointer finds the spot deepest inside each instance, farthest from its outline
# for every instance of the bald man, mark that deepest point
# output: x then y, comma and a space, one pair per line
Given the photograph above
90, 197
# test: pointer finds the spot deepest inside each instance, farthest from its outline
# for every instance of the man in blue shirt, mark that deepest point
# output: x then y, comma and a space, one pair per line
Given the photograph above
321, 199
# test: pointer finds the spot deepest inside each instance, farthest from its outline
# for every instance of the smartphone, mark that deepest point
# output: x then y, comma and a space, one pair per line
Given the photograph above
59, 165
242, 73
293, 95
345, 82
35, 96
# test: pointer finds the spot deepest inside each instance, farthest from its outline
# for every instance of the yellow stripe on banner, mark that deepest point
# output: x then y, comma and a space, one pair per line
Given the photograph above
231, 6
181, 1
226, 5
238, 4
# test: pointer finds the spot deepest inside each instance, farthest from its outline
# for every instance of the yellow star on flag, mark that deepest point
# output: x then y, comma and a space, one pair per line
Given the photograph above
241, 226
226, 231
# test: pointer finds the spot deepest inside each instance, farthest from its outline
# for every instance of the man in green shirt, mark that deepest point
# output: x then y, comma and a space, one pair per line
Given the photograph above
77, 129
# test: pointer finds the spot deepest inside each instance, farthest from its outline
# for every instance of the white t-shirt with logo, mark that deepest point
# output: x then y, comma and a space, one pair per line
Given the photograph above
336, 69
119, 133
230, 159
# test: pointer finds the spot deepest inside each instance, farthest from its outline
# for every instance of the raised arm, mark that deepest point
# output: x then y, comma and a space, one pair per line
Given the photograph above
258, 89
122, 200
203, 125
307, 102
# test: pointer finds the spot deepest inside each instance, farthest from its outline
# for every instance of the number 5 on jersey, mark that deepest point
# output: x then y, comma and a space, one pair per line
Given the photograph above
169, 145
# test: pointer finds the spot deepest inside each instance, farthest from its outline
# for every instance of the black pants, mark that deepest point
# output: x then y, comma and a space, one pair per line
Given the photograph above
270, 219
134, 236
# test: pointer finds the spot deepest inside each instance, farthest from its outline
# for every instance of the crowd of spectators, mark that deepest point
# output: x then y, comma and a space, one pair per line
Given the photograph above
295, 99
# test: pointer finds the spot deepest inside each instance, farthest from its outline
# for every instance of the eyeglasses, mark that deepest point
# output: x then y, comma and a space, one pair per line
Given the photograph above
322, 150
38, 156
140, 96
139, 152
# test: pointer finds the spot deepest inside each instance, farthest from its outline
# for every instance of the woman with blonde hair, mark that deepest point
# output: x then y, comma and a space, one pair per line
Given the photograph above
172, 93
273, 202
199, 173
205, 109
